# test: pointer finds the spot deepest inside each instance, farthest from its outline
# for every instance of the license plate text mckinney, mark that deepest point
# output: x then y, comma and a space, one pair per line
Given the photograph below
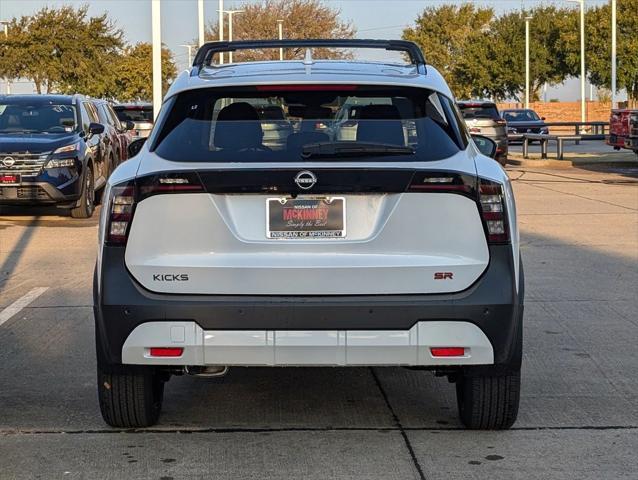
306, 218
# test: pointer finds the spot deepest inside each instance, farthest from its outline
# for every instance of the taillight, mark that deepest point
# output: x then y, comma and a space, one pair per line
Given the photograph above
178, 182
493, 212
125, 196
442, 182
121, 207
501, 122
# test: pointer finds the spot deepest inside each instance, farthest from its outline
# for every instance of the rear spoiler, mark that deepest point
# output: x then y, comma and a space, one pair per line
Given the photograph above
206, 51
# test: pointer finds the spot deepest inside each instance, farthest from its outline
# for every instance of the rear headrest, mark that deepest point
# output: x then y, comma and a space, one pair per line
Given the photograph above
379, 112
238, 127
238, 111
317, 113
380, 124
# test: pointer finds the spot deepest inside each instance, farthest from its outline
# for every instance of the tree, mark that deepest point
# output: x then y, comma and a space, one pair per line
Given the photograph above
445, 33
506, 46
61, 48
483, 55
598, 47
301, 19
133, 73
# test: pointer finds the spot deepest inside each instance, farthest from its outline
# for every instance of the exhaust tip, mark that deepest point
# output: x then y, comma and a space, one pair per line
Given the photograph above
209, 371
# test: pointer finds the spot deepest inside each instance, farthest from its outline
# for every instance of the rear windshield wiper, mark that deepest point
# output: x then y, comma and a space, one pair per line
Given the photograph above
353, 149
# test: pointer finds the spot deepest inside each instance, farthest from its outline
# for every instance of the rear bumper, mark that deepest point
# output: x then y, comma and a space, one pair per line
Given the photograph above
493, 305
308, 347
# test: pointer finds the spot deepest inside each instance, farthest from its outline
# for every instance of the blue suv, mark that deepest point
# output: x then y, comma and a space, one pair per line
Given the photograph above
52, 151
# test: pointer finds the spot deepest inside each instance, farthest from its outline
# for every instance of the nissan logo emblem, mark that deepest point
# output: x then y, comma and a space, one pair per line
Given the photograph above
8, 161
305, 180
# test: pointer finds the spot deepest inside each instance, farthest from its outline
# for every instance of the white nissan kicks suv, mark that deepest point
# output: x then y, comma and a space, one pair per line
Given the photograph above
393, 243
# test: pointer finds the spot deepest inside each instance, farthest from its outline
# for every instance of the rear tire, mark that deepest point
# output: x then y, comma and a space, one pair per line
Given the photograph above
86, 205
488, 402
130, 398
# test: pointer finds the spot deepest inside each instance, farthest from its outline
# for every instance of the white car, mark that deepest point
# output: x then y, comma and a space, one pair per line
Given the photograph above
218, 251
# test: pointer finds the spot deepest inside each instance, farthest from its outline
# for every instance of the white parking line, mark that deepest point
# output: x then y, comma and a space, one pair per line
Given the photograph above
20, 303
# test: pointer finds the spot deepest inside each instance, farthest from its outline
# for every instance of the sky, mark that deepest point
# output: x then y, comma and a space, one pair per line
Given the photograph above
372, 18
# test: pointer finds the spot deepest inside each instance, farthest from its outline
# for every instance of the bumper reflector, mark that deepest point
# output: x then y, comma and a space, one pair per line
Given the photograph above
166, 352
448, 352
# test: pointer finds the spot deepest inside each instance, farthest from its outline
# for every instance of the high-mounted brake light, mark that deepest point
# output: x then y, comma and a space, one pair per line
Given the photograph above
121, 208
493, 212
305, 88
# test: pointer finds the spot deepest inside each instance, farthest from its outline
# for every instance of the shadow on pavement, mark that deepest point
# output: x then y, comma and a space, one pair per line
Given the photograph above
579, 367
12, 259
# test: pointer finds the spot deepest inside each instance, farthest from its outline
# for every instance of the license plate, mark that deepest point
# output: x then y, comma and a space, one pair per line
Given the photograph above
9, 179
323, 217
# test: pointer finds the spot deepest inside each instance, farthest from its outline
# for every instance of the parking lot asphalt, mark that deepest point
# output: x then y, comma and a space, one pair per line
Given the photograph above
578, 416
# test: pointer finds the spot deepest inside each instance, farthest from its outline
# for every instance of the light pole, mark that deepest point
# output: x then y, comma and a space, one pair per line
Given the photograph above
200, 24
280, 27
6, 23
613, 53
583, 105
221, 29
230, 29
157, 56
190, 56
527, 19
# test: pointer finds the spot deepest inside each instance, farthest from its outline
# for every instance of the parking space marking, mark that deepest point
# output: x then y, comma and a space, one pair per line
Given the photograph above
20, 303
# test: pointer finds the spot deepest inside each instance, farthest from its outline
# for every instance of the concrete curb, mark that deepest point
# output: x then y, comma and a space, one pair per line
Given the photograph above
625, 159
549, 163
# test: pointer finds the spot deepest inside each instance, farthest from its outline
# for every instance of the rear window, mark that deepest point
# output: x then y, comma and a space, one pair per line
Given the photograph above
134, 114
479, 111
306, 122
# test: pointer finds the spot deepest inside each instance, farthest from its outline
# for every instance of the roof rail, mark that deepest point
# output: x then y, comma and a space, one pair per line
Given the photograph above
206, 51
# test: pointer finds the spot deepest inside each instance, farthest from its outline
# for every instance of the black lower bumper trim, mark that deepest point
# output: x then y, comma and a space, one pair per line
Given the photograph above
492, 303
35, 193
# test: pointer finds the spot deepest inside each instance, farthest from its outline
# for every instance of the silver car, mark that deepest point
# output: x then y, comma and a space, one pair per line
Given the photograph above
140, 114
482, 118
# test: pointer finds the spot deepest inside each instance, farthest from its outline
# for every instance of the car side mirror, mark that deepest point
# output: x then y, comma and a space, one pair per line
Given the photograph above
135, 146
486, 146
96, 128
129, 125
542, 118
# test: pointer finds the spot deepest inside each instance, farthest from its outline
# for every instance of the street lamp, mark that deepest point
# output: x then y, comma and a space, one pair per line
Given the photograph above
221, 28
190, 56
613, 53
200, 23
156, 29
230, 29
527, 20
6, 23
280, 26
583, 107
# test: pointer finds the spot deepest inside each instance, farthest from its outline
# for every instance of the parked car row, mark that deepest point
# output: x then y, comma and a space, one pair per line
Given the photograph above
60, 150
506, 127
